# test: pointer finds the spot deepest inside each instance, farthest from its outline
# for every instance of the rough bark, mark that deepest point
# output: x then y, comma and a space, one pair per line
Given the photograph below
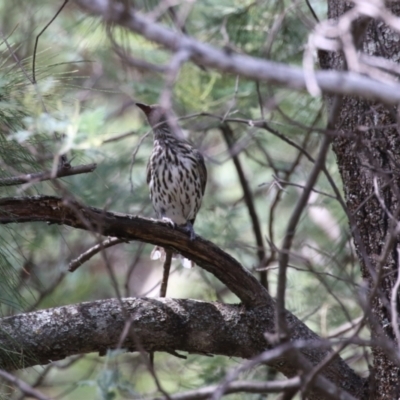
156, 325
166, 325
372, 152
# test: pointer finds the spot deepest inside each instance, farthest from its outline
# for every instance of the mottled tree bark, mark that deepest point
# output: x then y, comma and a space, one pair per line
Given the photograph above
162, 324
368, 156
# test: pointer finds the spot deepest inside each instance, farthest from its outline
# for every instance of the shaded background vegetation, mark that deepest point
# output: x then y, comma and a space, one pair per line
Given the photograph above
83, 105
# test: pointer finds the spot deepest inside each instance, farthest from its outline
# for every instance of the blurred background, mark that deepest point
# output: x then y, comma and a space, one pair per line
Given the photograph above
89, 76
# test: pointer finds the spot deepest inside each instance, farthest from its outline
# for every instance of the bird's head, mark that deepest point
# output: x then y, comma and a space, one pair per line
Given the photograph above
155, 114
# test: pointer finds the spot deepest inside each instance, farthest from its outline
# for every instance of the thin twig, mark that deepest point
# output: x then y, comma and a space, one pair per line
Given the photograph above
88, 254
312, 10
287, 183
45, 176
232, 102
393, 304
174, 67
295, 218
118, 137
38, 36
134, 154
238, 387
130, 60
342, 329
43, 293
17, 60
131, 269
248, 198
323, 384
23, 386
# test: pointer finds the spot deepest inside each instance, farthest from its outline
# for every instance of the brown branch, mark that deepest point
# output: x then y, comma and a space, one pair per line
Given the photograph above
202, 252
23, 386
38, 36
238, 387
248, 198
118, 137
162, 325
166, 269
260, 307
290, 350
294, 219
45, 176
328, 81
130, 60
88, 254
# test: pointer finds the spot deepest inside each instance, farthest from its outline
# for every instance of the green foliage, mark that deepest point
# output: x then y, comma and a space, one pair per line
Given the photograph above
84, 97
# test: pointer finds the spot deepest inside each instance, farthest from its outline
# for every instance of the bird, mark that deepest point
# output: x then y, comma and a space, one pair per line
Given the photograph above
176, 172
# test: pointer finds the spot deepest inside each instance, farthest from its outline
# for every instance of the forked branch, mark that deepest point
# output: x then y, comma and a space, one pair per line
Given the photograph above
246, 322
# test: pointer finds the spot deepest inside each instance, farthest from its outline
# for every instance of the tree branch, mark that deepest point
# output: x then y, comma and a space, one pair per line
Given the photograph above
88, 254
333, 82
248, 198
23, 386
45, 176
159, 324
238, 387
204, 253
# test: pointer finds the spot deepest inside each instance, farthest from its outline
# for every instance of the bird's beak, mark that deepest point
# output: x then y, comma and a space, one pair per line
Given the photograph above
144, 107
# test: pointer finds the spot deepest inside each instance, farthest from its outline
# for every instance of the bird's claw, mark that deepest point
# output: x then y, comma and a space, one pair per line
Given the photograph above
169, 221
189, 228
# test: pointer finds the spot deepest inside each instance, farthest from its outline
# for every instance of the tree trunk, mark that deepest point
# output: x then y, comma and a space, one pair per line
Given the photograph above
368, 156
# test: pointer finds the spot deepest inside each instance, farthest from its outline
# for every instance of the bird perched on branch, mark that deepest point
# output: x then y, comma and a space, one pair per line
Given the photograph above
176, 173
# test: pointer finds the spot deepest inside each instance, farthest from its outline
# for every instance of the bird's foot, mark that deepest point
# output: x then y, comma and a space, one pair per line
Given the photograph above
189, 228
169, 221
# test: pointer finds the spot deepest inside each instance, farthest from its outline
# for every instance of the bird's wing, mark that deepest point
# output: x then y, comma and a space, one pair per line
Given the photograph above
148, 171
202, 171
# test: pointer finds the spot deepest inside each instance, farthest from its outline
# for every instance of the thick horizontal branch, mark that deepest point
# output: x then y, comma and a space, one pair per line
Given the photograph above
334, 82
45, 176
157, 325
211, 328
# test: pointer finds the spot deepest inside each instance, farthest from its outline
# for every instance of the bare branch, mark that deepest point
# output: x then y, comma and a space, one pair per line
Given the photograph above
292, 351
238, 387
393, 304
130, 60
88, 254
248, 197
334, 82
45, 176
38, 36
23, 386
175, 65
204, 253
205, 328
319, 165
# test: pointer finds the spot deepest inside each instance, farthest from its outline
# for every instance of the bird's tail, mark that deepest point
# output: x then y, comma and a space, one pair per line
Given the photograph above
158, 253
